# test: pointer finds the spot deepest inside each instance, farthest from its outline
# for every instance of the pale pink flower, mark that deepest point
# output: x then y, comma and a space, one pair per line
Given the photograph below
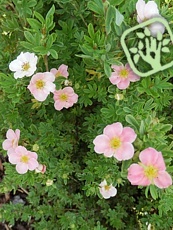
12, 140
151, 170
41, 85
23, 159
64, 98
107, 191
122, 76
41, 169
146, 11
116, 141
61, 71
24, 65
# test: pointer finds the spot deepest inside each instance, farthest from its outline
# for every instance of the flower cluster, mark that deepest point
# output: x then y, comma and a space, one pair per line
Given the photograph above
116, 141
42, 84
18, 155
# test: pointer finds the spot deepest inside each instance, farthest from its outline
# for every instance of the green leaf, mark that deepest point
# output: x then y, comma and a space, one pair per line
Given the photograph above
41, 49
53, 53
165, 50
119, 18
142, 128
91, 31
149, 104
153, 192
26, 45
39, 17
107, 69
50, 12
132, 121
133, 50
146, 191
31, 3
110, 14
96, 6
166, 127
136, 58
29, 37
140, 35
35, 24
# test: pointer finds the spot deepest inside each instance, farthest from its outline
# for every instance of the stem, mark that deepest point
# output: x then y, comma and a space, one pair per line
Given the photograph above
46, 62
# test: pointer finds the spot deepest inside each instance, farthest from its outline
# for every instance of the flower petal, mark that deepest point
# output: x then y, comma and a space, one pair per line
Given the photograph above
150, 156
136, 175
21, 168
125, 152
123, 84
32, 164
151, 10
163, 180
128, 135
140, 5
101, 143
113, 130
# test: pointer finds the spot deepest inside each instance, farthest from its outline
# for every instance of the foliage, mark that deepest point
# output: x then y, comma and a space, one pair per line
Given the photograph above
85, 35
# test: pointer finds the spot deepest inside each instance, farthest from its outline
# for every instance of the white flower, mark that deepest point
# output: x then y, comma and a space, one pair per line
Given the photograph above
24, 65
146, 11
107, 191
49, 182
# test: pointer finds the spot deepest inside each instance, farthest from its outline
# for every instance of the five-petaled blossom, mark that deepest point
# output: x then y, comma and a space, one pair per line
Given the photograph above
107, 191
151, 170
116, 141
12, 140
61, 71
24, 65
146, 11
64, 98
122, 76
41, 85
23, 159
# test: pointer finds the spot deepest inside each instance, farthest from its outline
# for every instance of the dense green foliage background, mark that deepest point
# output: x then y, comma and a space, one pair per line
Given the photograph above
85, 35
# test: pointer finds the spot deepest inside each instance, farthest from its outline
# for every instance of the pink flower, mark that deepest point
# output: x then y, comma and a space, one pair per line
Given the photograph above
107, 191
61, 71
147, 11
41, 85
122, 76
65, 98
116, 141
23, 159
41, 169
151, 170
12, 140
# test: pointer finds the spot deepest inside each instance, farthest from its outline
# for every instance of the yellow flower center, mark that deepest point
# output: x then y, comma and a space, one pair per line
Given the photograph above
151, 172
25, 66
63, 97
40, 84
24, 159
124, 73
107, 187
115, 143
